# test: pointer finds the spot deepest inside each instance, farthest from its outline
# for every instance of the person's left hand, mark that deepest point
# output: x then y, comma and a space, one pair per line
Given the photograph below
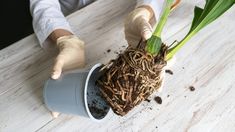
137, 25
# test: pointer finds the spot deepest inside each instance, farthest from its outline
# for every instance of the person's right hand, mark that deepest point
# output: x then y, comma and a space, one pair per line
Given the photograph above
71, 55
137, 26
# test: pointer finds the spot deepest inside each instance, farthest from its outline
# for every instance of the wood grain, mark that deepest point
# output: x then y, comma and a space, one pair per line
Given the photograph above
206, 62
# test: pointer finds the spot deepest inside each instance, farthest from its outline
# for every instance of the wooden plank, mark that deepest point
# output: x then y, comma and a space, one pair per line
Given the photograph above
19, 62
207, 62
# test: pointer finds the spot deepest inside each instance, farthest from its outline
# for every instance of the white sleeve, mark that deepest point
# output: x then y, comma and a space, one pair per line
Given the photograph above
47, 16
156, 6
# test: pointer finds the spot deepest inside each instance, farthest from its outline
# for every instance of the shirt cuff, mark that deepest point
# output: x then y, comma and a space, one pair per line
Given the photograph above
156, 6
43, 34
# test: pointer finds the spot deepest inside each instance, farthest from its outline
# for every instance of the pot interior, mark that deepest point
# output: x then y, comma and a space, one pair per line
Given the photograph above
97, 106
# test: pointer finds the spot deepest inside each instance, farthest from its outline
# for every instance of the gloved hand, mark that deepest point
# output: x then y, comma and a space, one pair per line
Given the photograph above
71, 55
137, 25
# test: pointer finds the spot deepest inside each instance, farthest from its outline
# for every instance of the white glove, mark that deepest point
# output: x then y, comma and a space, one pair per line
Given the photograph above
137, 26
71, 55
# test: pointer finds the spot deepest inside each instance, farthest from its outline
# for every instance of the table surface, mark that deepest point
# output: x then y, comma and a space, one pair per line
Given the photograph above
206, 62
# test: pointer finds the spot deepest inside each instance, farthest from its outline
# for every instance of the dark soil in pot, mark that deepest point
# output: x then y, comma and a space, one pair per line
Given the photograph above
96, 104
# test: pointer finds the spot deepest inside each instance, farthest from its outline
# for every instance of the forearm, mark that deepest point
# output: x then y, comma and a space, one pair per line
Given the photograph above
58, 33
48, 21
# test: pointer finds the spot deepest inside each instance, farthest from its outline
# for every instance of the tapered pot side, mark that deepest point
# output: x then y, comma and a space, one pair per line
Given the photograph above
76, 94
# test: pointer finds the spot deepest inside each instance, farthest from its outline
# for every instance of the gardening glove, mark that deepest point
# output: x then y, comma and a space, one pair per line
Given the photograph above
71, 55
137, 26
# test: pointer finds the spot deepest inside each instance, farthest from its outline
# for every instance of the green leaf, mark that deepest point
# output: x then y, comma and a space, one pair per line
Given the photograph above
154, 45
202, 17
197, 12
155, 42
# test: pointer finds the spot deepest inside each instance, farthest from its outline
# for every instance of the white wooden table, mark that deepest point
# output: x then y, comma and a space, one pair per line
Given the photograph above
206, 62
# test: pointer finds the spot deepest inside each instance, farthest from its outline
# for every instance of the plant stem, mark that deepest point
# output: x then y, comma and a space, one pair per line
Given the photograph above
155, 42
163, 19
172, 51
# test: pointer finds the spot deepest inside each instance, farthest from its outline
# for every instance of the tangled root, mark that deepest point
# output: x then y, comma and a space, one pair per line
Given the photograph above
131, 78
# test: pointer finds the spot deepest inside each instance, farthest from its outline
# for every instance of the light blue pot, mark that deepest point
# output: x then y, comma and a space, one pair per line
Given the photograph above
76, 93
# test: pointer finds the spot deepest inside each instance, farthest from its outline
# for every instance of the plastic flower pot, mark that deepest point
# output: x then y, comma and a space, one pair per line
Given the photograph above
77, 94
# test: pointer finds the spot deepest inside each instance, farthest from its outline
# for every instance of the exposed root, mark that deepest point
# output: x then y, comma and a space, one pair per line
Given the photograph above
131, 78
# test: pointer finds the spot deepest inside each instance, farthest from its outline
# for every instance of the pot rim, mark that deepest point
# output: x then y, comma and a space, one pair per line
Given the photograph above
85, 95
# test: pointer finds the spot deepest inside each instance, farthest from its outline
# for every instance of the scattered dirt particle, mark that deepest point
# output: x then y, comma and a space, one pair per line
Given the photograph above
169, 72
182, 67
168, 96
123, 46
116, 52
192, 88
185, 96
108, 50
147, 100
156, 127
150, 108
158, 100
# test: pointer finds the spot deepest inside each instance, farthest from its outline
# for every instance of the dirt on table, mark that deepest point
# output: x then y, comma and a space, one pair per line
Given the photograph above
158, 100
109, 50
192, 88
169, 72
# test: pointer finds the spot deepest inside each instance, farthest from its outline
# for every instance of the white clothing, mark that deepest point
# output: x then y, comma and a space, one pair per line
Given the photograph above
49, 15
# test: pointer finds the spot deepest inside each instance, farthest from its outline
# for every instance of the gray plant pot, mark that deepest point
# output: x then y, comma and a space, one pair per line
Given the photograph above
77, 94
